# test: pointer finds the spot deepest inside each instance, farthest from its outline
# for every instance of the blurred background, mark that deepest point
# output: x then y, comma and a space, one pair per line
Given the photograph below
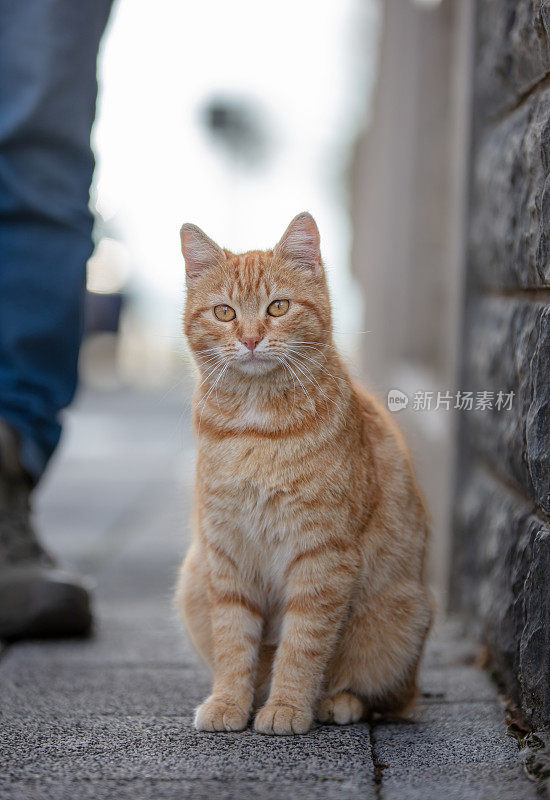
234, 117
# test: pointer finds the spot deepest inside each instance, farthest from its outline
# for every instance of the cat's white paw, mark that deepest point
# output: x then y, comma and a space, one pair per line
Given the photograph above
282, 720
216, 714
342, 709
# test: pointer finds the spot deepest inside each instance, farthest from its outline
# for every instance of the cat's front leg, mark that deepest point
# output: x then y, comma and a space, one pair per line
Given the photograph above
237, 623
318, 593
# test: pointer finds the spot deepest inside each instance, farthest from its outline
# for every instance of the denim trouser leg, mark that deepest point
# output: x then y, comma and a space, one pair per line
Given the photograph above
48, 89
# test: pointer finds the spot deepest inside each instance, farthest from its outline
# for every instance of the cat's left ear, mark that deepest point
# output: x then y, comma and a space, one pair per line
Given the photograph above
199, 250
301, 243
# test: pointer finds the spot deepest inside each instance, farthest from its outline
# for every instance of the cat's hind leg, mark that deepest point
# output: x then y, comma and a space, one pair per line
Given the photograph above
193, 603
378, 652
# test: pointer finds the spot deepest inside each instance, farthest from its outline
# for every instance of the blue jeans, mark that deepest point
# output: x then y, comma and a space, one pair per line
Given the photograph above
48, 89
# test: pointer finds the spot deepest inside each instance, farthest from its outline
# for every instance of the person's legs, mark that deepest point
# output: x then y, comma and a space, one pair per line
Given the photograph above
48, 51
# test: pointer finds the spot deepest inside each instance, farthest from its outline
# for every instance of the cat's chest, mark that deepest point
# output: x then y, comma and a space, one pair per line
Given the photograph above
263, 465
252, 505
269, 557
253, 491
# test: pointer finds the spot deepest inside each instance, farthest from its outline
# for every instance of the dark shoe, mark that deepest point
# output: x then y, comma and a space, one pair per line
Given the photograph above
37, 598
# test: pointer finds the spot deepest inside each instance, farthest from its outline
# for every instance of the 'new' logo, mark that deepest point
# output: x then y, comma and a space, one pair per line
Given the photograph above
397, 400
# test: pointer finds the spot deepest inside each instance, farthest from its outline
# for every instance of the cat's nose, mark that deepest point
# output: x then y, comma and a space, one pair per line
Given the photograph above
251, 342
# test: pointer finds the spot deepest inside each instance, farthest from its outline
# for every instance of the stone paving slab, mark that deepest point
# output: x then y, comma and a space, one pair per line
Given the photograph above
58, 689
474, 782
448, 736
111, 716
456, 747
138, 747
183, 789
455, 684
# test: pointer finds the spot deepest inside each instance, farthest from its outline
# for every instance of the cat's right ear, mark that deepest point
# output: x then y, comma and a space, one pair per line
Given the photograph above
300, 242
199, 251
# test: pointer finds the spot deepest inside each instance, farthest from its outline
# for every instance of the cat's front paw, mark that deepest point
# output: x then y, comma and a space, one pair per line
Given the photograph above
282, 720
217, 714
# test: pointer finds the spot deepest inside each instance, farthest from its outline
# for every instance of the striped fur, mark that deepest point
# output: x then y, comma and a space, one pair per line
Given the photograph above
303, 588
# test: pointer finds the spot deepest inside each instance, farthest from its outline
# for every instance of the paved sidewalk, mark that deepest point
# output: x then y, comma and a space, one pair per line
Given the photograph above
111, 717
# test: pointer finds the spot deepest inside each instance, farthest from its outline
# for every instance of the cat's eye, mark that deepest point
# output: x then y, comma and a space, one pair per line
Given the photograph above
224, 313
278, 307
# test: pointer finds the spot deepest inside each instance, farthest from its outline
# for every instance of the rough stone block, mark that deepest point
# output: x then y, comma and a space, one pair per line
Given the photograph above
534, 651
509, 351
510, 217
503, 567
513, 51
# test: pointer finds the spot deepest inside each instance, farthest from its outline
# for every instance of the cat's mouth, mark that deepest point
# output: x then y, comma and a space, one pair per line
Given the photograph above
256, 362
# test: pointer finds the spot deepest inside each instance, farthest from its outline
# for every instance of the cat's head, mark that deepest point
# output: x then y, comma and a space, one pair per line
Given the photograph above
260, 308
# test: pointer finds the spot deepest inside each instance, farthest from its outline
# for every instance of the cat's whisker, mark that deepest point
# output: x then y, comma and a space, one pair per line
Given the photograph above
308, 375
294, 356
217, 398
202, 357
206, 352
215, 360
321, 367
326, 372
210, 392
281, 361
300, 345
212, 371
215, 351
204, 399
349, 333
303, 387
296, 351
313, 341
208, 361
315, 381
312, 344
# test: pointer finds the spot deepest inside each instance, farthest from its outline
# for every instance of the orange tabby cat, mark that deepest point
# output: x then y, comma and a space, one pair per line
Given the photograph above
303, 587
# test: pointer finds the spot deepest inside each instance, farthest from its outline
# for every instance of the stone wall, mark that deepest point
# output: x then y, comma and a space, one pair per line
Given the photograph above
501, 542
